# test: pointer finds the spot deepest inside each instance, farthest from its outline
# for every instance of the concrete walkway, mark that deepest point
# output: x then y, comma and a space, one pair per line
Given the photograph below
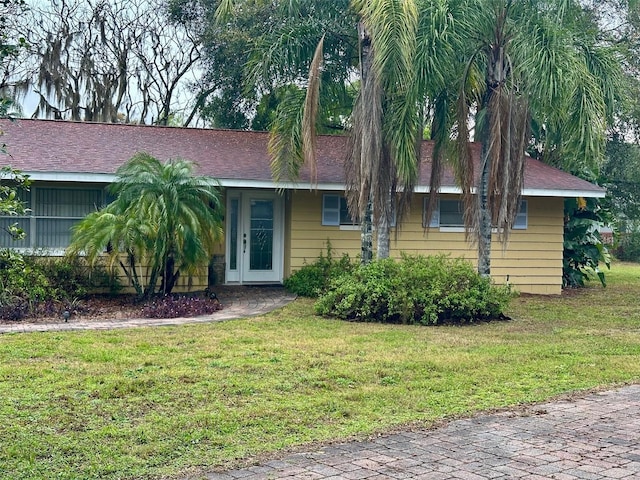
593, 437
237, 302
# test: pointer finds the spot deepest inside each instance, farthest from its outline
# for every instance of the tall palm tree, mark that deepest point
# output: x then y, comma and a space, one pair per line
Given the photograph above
163, 214
515, 60
522, 61
388, 113
408, 50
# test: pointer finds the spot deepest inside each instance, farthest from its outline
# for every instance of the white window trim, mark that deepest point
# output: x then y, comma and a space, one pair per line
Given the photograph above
521, 221
32, 218
344, 226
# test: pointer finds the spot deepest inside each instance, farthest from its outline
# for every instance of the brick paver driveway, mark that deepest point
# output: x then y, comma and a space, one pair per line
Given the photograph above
593, 437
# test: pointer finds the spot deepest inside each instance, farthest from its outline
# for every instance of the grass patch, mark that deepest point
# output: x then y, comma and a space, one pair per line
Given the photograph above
163, 402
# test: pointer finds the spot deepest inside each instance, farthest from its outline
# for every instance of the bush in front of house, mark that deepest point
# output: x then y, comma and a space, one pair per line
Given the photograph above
22, 286
40, 285
73, 277
414, 290
313, 279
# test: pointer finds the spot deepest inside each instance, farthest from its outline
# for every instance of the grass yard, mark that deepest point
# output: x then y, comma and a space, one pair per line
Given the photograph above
170, 401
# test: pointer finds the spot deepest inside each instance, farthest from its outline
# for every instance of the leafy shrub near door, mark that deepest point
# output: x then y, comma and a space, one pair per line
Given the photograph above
414, 290
314, 278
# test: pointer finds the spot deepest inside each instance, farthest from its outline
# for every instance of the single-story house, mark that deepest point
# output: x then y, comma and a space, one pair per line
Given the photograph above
273, 229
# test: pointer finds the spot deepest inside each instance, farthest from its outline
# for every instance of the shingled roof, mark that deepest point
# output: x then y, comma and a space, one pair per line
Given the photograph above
81, 151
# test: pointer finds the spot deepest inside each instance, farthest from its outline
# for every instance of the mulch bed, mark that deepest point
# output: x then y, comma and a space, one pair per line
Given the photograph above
114, 307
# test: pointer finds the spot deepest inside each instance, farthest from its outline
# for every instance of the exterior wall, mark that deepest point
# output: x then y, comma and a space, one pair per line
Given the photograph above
309, 237
198, 282
532, 259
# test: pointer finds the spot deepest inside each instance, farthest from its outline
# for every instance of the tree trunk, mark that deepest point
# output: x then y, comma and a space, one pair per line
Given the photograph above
484, 238
366, 235
384, 237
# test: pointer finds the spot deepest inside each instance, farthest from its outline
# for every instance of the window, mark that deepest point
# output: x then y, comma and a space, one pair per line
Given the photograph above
335, 211
448, 213
52, 213
521, 222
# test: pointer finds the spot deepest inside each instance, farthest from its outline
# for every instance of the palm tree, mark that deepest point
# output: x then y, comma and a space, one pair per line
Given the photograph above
124, 234
522, 61
407, 50
515, 60
163, 215
388, 113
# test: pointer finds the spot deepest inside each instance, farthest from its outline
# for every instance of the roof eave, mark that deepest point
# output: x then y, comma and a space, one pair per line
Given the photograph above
324, 186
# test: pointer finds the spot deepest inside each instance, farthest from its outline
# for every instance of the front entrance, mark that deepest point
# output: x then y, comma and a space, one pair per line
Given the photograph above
255, 247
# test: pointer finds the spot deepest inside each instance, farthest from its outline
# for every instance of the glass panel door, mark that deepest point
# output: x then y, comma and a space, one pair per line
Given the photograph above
254, 237
261, 235
233, 240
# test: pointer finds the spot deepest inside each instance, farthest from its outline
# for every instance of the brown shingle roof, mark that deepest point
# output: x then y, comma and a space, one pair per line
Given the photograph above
48, 146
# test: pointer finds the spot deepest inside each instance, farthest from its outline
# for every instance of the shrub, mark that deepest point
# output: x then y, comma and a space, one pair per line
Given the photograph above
40, 284
583, 251
313, 279
414, 290
73, 277
628, 248
22, 286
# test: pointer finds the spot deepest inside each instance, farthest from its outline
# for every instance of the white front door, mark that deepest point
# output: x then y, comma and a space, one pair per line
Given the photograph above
255, 249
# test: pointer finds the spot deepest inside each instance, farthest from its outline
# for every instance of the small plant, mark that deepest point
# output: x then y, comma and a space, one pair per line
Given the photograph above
414, 290
174, 306
313, 279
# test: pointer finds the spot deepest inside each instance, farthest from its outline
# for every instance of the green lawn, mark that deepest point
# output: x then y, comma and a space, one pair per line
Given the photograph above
161, 402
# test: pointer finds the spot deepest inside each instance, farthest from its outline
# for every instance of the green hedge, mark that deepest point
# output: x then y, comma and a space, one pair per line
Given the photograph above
628, 248
414, 290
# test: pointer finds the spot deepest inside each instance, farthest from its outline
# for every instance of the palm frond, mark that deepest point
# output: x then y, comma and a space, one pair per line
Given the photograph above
285, 138
309, 117
224, 10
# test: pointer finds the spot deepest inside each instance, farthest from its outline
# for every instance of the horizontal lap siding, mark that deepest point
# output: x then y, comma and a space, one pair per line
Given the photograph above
533, 258
198, 281
308, 235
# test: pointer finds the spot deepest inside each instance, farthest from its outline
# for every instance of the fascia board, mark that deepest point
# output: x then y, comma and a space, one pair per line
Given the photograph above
269, 184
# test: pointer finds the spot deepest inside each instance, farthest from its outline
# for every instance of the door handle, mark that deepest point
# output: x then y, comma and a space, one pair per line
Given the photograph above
244, 243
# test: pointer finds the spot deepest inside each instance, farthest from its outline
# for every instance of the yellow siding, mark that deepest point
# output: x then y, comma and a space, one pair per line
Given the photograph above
309, 237
532, 259
198, 282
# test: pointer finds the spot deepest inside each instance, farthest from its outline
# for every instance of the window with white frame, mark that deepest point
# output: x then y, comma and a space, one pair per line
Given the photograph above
449, 214
522, 218
52, 212
335, 211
